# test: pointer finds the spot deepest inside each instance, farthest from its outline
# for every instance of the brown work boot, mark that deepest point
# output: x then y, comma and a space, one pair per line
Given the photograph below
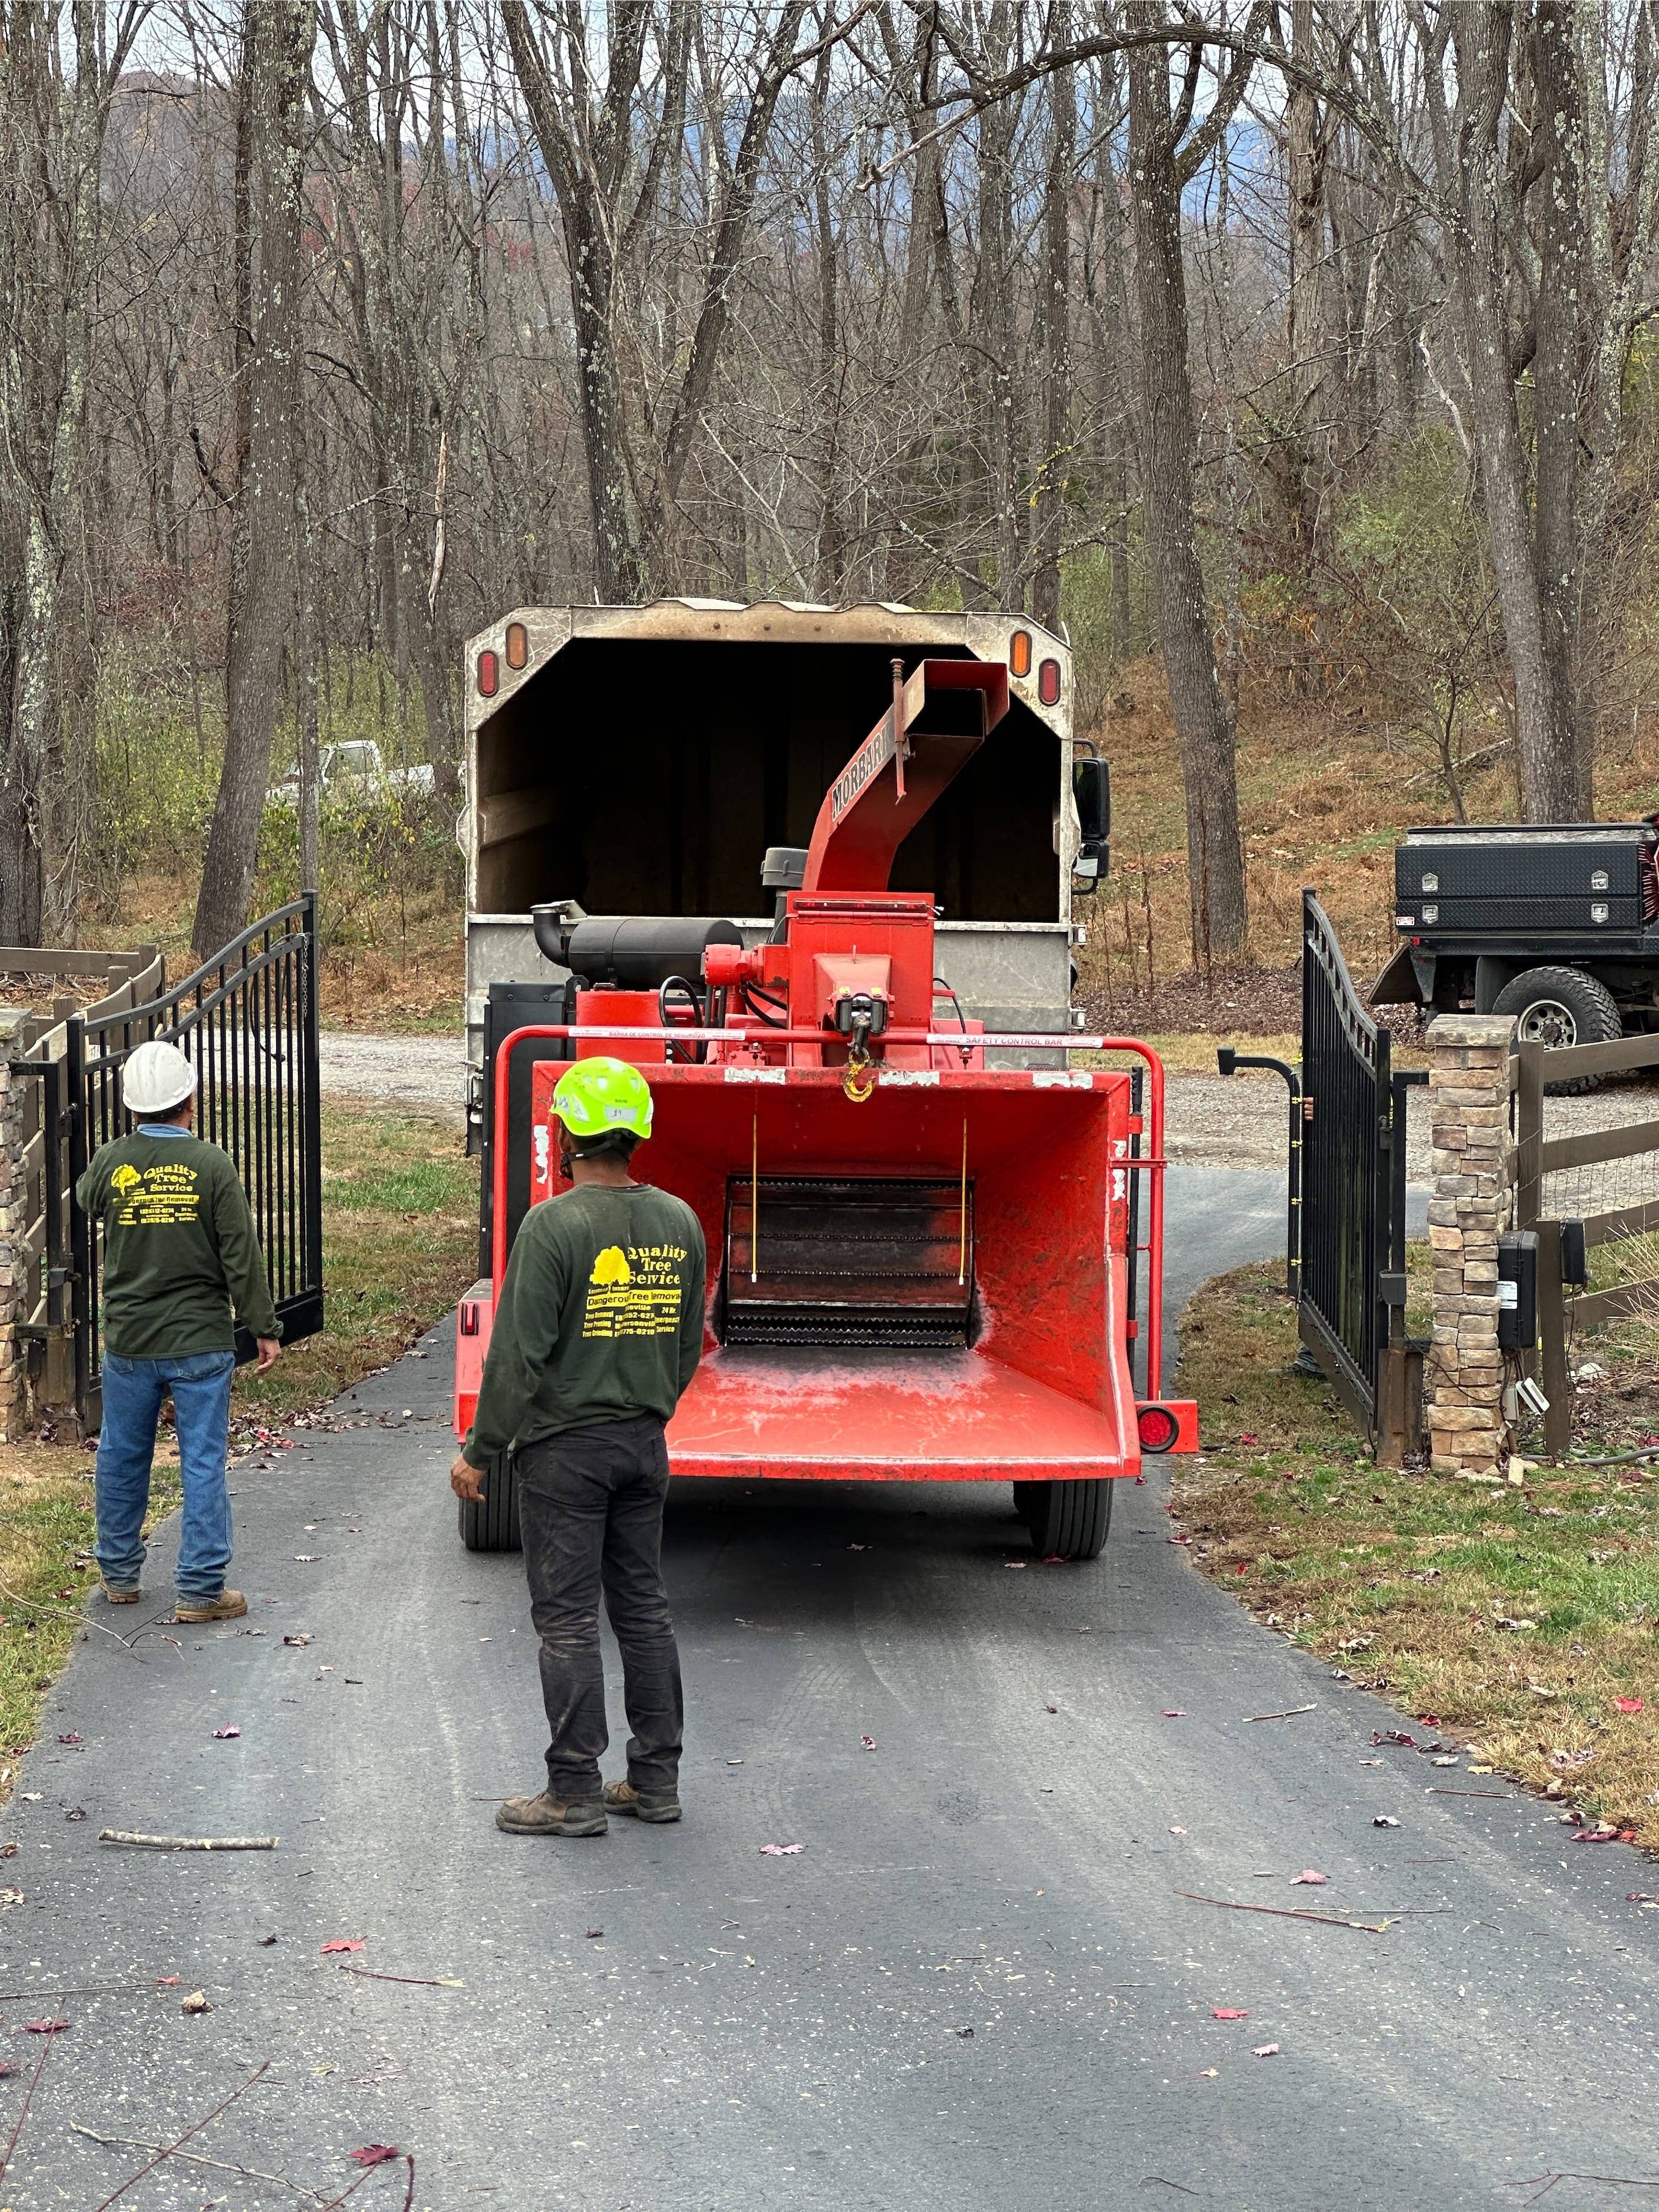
643, 1804
229, 1605
122, 1596
545, 1816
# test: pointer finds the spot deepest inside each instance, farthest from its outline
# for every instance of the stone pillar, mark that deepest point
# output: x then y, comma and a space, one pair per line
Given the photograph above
14, 1259
1473, 1169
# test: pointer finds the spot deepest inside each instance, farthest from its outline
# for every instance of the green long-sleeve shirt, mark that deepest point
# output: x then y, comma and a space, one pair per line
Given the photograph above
600, 1316
181, 1251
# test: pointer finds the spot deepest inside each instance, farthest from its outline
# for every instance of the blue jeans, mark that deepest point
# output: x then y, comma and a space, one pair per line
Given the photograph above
133, 1391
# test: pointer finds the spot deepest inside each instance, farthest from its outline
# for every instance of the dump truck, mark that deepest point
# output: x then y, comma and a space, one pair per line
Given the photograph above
814, 869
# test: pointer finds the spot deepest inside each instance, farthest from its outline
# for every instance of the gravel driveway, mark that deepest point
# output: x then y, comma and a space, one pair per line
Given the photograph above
1238, 1121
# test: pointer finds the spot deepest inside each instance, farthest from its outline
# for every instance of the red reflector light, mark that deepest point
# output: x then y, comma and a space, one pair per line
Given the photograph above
1049, 682
1159, 1427
489, 674
1019, 654
518, 645
469, 1317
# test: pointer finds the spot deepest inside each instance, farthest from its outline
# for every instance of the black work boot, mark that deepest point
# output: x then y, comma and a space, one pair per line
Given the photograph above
545, 1816
643, 1804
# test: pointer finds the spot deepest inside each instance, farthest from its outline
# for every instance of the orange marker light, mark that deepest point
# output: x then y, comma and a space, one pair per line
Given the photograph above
1019, 654
518, 645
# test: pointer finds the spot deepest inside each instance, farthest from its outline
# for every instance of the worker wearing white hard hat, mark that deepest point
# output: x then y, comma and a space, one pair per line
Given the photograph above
181, 1267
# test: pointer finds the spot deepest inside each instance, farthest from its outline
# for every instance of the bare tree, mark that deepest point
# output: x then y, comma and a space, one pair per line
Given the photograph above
1166, 151
271, 95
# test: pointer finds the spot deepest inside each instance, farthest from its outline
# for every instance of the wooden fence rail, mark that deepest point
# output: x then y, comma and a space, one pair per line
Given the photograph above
1538, 1156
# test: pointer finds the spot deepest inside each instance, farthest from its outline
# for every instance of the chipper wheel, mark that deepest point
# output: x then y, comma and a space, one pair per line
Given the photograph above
494, 1525
1068, 1520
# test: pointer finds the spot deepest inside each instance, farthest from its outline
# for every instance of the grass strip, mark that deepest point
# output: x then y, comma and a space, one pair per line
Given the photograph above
1510, 1619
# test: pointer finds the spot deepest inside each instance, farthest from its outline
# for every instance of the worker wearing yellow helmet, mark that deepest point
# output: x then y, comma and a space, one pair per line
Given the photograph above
597, 1334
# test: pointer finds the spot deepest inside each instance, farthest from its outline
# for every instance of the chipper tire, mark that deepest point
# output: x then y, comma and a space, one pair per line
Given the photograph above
1068, 1520
1561, 1006
493, 1525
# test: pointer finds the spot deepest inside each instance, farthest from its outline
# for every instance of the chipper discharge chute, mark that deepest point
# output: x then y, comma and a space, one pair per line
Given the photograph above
919, 1264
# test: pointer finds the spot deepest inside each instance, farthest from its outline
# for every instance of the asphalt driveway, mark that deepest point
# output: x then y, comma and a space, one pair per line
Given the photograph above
985, 1980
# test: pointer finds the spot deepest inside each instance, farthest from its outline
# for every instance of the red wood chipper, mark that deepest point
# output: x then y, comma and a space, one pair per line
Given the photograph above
919, 1263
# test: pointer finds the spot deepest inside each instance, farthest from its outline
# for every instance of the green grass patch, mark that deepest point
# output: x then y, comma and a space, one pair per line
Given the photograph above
1518, 1616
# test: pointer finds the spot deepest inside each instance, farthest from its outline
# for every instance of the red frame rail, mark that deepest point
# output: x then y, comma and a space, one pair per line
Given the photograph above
1153, 1163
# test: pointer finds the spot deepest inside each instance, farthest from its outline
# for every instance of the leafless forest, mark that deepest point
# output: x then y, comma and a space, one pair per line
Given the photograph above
1305, 343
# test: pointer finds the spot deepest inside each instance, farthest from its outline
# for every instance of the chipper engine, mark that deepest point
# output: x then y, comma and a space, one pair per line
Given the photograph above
920, 1263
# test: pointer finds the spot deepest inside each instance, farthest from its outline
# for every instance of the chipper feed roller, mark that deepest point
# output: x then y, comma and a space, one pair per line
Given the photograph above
918, 1264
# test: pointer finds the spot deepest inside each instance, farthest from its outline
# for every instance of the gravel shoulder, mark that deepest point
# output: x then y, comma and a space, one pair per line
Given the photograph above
1238, 1122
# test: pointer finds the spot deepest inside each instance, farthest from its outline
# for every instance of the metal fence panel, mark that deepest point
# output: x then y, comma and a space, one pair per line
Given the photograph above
248, 1020
1347, 1194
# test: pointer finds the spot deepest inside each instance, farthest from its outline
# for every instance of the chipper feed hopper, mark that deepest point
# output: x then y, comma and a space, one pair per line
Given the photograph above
919, 1264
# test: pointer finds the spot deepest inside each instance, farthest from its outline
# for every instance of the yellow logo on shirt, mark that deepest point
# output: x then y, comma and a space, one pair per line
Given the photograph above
160, 1197
634, 1293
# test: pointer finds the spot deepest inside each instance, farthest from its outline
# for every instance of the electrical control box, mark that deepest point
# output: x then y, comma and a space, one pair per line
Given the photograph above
1518, 1290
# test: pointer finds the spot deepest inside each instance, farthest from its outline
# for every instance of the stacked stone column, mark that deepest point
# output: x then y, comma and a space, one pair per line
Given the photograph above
1473, 1169
14, 1259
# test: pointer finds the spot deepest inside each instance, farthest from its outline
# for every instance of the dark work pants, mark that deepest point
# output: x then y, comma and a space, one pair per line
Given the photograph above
590, 1511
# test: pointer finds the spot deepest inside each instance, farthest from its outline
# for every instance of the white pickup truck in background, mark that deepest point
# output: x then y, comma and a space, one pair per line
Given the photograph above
353, 772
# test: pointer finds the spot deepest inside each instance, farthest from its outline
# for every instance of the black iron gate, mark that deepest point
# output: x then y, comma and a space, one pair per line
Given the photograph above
248, 1019
1352, 1307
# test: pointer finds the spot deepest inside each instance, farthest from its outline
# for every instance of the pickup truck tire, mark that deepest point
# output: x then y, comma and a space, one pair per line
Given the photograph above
493, 1525
1561, 1006
1068, 1520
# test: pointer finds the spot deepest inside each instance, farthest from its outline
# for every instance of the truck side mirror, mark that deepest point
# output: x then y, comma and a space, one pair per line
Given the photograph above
1091, 794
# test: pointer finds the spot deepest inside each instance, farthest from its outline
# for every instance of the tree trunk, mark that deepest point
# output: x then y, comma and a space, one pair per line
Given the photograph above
1169, 442
1056, 457
277, 36
1553, 785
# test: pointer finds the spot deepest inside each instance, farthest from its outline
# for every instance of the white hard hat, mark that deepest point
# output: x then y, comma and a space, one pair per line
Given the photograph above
156, 1078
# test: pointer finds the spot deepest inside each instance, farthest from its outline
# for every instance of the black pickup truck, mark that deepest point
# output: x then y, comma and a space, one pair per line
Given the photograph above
1558, 923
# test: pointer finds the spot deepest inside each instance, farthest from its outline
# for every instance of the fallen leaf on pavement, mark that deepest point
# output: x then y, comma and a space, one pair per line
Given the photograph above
1264, 2051
1227, 2012
1175, 1712
197, 2002
298, 1642
168, 1981
1385, 1820
307, 1558
75, 1736
1311, 1876
224, 1735
868, 1742
375, 2153
41, 2027
781, 1850
342, 1943
1051, 1709
1015, 1563
861, 1548
266, 1942
591, 1933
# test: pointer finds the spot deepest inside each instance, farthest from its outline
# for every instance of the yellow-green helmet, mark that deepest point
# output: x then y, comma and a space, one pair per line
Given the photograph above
597, 1096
